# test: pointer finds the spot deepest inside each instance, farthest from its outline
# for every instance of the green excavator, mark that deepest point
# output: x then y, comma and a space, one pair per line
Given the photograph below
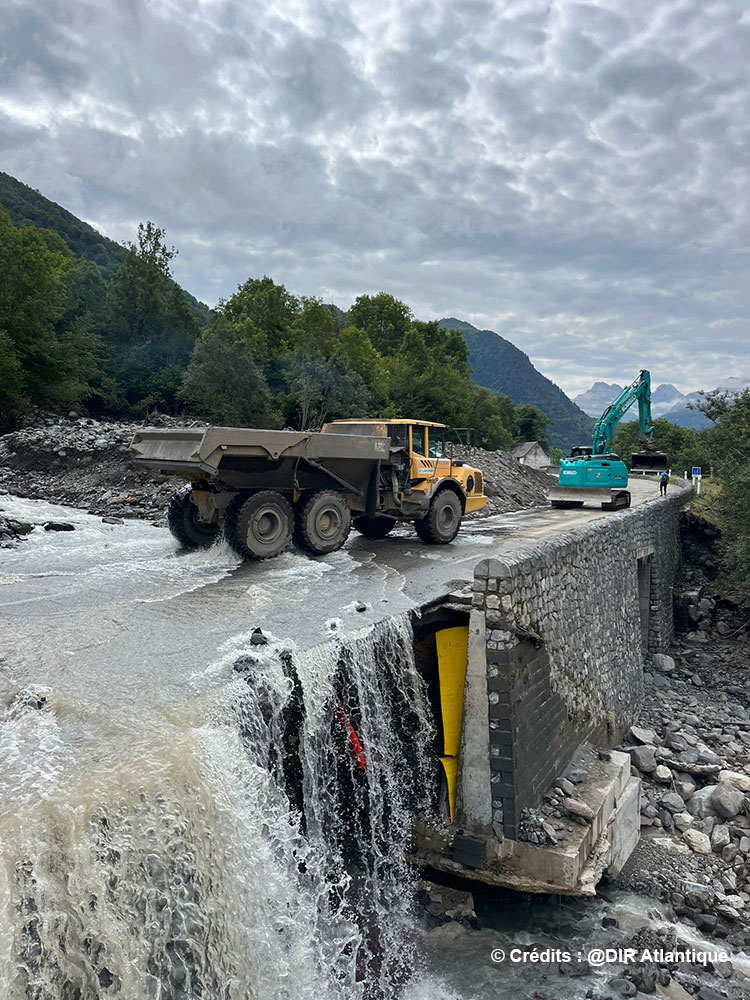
595, 472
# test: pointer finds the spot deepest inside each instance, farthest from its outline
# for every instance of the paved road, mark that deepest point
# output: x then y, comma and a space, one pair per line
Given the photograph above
126, 632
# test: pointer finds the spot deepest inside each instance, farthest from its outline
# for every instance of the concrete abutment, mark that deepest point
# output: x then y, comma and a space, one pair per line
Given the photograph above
559, 631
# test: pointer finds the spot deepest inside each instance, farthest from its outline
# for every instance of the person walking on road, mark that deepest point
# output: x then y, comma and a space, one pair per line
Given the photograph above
663, 483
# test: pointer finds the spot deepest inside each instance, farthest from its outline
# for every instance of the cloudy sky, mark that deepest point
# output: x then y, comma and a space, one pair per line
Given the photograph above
572, 175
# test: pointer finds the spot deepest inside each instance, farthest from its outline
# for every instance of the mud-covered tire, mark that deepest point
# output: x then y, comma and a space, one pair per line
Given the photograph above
323, 522
185, 524
442, 521
259, 526
373, 527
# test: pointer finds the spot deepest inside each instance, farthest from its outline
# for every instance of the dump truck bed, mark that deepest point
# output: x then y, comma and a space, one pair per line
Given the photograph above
240, 457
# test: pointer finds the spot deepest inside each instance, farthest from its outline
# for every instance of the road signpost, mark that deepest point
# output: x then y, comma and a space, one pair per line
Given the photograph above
697, 479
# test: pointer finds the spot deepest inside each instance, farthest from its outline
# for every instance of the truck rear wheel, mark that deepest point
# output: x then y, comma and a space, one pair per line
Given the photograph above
441, 523
374, 527
323, 523
259, 526
184, 520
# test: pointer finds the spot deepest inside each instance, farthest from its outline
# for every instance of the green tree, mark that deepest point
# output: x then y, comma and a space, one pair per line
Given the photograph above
151, 327
355, 348
491, 420
13, 400
223, 383
384, 319
315, 327
49, 358
729, 442
530, 424
322, 389
272, 310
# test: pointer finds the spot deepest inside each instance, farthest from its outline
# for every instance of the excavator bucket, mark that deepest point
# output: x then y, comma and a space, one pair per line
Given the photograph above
649, 461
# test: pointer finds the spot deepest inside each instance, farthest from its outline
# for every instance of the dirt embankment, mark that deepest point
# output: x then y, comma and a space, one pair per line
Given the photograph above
84, 463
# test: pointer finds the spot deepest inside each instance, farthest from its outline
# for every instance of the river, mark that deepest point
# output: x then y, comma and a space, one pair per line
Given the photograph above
184, 811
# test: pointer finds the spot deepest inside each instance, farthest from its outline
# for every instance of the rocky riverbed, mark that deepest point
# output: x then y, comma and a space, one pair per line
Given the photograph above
83, 462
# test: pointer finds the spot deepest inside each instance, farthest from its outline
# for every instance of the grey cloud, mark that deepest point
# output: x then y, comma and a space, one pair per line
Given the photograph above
647, 74
571, 176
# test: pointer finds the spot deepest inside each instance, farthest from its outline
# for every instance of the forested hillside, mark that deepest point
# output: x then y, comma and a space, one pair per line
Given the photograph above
88, 324
27, 207
500, 366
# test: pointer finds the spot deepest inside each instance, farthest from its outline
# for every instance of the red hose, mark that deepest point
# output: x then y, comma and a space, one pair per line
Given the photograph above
354, 744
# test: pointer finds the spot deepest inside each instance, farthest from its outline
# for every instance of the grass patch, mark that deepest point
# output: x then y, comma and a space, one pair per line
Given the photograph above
707, 504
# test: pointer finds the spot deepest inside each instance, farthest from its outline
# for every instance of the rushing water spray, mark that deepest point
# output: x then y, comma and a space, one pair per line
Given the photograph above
256, 847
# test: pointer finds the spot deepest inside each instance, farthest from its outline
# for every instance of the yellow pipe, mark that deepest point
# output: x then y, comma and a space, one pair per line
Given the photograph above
452, 651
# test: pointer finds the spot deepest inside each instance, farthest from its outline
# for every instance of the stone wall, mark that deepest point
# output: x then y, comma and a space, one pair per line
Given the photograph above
567, 624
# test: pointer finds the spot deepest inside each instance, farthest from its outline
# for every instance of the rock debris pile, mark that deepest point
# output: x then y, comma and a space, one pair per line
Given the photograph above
508, 485
82, 462
691, 749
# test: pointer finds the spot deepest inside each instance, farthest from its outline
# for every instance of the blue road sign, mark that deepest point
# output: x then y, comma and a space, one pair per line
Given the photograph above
696, 470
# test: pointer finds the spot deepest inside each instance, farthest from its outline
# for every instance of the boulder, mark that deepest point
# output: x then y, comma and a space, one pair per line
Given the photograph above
643, 758
578, 808
720, 837
684, 785
59, 526
641, 735
727, 800
736, 780
682, 820
663, 774
697, 841
663, 663
700, 804
672, 802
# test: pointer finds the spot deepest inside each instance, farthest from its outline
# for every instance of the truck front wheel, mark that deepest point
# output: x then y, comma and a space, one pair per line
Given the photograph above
323, 523
441, 522
259, 526
185, 522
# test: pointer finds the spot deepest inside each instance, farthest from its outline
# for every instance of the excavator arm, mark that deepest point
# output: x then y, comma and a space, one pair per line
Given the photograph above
638, 391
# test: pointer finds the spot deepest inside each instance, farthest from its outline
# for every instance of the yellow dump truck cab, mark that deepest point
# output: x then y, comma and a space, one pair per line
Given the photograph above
421, 449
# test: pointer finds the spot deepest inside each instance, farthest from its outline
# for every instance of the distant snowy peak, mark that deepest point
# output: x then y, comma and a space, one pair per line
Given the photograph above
598, 397
735, 383
665, 399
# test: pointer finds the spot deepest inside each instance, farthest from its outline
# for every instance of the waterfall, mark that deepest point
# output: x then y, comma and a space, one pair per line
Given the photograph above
256, 846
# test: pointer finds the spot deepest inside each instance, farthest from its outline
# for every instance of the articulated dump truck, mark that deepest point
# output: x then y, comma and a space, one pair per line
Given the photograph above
265, 488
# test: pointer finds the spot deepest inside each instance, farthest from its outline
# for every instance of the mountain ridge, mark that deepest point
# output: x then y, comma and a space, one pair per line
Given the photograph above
504, 368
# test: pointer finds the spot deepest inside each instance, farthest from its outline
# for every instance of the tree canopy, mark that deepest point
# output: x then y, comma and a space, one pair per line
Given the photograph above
134, 341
